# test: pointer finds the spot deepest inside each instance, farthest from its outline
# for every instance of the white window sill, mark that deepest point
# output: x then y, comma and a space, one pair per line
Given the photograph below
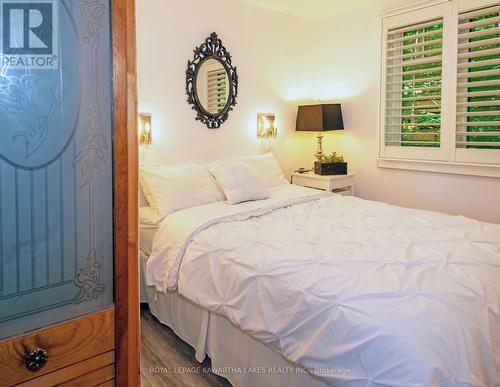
487, 170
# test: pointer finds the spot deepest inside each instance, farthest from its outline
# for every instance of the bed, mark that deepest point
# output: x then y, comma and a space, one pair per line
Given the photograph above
311, 288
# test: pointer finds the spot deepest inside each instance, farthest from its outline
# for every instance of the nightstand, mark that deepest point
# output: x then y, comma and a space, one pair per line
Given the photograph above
341, 184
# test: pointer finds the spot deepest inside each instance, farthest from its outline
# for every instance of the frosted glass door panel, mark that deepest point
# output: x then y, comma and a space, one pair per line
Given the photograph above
56, 177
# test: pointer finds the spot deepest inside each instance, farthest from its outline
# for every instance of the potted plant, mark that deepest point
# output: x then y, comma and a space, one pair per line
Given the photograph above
331, 165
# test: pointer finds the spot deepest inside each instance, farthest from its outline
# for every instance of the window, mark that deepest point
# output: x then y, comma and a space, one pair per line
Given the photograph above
441, 84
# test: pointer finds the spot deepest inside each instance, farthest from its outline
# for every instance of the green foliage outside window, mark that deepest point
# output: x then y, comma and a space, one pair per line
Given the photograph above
429, 118
496, 86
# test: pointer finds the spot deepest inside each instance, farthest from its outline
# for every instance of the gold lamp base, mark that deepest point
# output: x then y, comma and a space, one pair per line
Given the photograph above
319, 151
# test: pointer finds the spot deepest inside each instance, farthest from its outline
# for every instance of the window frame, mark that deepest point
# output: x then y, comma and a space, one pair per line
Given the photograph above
447, 158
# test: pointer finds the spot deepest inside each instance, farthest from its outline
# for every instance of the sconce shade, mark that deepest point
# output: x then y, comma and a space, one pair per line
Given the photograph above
319, 118
145, 132
266, 125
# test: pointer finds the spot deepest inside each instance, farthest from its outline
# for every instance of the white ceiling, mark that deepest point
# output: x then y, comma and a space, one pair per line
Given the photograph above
310, 9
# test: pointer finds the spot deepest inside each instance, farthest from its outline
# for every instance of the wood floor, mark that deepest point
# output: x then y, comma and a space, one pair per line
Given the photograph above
162, 352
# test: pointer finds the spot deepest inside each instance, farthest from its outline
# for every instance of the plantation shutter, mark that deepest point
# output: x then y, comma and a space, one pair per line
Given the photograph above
441, 88
216, 90
478, 86
413, 85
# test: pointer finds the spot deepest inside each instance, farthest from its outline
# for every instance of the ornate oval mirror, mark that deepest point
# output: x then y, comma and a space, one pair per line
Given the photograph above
211, 82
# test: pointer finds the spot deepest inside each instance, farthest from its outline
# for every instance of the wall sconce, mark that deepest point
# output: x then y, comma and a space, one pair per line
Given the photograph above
145, 135
265, 125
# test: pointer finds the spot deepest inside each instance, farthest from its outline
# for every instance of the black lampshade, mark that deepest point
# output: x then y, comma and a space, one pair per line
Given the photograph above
319, 118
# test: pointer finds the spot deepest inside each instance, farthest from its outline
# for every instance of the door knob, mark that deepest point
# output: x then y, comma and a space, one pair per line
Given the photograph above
36, 359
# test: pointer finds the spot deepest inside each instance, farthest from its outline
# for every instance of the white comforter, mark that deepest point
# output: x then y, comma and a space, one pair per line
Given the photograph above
360, 293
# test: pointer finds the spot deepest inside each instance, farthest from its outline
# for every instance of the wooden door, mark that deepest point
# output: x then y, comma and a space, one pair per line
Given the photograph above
67, 312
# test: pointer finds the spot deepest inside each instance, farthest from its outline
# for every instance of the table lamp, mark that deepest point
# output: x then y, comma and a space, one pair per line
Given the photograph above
319, 118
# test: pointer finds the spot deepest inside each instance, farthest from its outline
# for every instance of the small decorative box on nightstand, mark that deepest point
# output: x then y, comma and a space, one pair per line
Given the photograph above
341, 184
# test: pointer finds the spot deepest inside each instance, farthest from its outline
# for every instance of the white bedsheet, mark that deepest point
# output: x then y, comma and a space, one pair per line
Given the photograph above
397, 296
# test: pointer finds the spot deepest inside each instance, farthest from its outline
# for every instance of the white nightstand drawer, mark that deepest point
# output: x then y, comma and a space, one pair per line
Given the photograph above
341, 184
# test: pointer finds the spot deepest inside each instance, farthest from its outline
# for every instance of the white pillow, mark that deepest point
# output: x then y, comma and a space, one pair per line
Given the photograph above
267, 168
148, 217
239, 182
143, 201
175, 187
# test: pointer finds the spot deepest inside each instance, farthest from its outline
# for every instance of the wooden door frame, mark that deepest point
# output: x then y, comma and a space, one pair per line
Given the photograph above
126, 194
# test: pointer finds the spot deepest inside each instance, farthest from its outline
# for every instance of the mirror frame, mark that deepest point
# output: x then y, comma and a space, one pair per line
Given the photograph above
212, 48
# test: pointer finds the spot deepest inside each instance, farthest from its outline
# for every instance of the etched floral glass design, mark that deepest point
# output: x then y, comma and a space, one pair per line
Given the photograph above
56, 178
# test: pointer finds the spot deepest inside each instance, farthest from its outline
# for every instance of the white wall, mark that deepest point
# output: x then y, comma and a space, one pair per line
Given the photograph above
347, 59
272, 54
283, 61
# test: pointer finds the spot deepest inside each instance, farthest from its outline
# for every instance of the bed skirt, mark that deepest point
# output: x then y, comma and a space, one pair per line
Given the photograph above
235, 355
